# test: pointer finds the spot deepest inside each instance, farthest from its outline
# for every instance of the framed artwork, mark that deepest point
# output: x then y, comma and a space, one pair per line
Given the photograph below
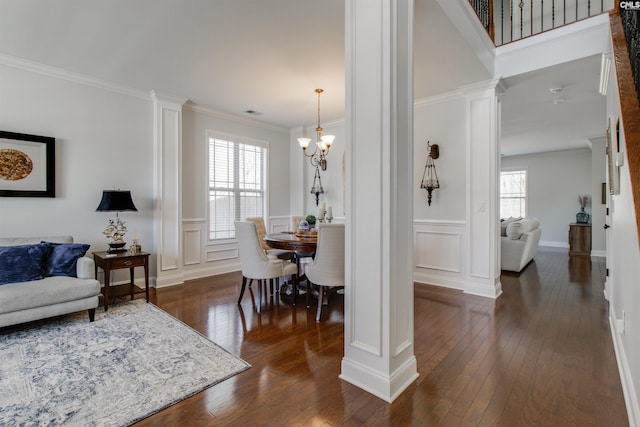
27, 165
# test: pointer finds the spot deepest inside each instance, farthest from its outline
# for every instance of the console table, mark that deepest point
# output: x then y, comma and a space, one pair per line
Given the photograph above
579, 239
115, 261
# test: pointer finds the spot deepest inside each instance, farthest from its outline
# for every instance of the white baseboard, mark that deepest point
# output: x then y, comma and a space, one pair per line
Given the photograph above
552, 244
598, 254
628, 388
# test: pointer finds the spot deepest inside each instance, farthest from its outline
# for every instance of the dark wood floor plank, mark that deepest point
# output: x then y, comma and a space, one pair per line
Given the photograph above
541, 354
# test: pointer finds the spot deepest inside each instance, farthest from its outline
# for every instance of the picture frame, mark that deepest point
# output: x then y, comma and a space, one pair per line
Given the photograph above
27, 165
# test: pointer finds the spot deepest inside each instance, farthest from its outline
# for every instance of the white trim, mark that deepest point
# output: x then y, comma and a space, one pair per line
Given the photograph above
234, 118
49, 71
598, 254
553, 244
628, 389
436, 99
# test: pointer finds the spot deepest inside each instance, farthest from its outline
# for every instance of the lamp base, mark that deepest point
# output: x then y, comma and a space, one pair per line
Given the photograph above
115, 247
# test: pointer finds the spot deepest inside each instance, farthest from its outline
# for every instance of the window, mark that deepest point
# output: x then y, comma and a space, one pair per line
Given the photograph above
236, 184
513, 194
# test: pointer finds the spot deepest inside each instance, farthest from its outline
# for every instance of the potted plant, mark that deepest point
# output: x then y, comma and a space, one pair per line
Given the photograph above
311, 220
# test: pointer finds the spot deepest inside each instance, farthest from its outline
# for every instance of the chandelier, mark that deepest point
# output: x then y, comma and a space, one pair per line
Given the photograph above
430, 176
323, 143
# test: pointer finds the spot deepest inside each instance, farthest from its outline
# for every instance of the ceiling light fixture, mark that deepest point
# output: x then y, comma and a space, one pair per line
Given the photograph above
323, 143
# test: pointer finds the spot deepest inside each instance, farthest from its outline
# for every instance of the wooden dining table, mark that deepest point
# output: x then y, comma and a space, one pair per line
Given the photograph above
302, 244
290, 241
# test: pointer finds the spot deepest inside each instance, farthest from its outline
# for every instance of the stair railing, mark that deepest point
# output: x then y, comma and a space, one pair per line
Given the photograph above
510, 20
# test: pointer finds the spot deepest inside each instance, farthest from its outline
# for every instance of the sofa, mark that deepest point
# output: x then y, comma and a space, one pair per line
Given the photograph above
519, 239
43, 277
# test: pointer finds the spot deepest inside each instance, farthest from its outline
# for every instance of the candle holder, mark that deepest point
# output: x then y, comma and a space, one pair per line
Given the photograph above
321, 216
329, 219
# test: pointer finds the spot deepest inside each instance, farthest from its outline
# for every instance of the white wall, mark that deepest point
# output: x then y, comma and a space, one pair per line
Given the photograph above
103, 141
555, 181
202, 257
440, 229
623, 260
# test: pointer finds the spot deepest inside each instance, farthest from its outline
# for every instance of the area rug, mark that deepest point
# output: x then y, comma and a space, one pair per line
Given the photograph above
131, 362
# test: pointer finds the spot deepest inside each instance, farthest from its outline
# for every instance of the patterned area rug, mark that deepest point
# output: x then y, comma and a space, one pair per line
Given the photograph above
131, 362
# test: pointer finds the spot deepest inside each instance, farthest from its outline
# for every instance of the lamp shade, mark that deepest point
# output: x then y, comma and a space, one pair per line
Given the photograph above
116, 200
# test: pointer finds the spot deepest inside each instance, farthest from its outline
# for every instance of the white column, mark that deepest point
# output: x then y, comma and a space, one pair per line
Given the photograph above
167, 137
483, 192
379, 205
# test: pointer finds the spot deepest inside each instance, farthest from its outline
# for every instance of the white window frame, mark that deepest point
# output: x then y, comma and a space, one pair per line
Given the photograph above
211, 134
526, 190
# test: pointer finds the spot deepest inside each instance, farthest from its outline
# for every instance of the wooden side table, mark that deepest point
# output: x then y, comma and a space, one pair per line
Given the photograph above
579, 239
116, 261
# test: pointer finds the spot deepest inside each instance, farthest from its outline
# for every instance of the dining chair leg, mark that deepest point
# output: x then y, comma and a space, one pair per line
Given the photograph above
309, 285
244, 285
271, 287
294, 288
259, 308
320, 294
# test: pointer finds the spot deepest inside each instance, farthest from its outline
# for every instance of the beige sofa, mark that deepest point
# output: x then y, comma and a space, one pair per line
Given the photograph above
519, 239
51, 296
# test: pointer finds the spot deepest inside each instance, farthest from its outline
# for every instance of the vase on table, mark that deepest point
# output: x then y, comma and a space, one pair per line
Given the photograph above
582, 217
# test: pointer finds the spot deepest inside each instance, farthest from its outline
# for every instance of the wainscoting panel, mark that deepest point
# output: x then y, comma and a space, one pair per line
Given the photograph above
278, 224
192, 243
438, 254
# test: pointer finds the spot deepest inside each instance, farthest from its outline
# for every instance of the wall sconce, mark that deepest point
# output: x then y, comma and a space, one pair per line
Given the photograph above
430, 176
323, 143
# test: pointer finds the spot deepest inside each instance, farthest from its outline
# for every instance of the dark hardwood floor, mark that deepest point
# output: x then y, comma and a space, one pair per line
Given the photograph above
540, 355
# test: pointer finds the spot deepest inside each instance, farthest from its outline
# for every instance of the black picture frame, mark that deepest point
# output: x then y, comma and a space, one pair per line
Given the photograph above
38, 177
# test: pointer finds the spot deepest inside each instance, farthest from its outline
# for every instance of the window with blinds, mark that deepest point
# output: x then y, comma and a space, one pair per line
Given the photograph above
513, 194
236, 185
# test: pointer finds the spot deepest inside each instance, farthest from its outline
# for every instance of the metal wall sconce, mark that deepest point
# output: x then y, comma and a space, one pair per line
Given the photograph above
430, 176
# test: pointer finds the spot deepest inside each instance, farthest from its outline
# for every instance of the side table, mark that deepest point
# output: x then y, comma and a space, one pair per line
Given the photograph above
116, 261
579, 239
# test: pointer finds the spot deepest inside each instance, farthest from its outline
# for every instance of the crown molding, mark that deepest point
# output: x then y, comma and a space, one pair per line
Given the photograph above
436, 99
46, 70
191, 106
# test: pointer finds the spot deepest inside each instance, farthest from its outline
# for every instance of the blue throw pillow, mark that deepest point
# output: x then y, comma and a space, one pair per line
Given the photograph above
22, 263
63, 258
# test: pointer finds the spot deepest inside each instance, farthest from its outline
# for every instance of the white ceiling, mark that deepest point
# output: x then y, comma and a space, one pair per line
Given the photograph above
531, 122
269, 56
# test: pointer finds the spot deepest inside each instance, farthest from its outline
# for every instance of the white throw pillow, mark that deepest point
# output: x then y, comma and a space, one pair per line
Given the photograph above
517, 228
504, 224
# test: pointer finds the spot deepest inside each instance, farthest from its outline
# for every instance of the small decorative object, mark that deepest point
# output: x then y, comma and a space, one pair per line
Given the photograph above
303, 226
311, 220
582, 217
430, 176
116, 201
135, 248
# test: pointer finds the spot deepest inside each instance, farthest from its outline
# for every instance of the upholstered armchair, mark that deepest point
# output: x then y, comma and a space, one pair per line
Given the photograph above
327, 268
256, 265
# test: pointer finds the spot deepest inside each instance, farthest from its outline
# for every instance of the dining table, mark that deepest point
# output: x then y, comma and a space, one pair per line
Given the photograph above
303, 244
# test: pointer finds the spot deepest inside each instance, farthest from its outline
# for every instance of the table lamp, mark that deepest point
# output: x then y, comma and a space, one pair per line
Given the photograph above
116, 201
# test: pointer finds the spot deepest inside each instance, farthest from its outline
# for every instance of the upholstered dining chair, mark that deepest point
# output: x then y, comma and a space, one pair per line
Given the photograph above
256, 265
327, 268
261, 230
